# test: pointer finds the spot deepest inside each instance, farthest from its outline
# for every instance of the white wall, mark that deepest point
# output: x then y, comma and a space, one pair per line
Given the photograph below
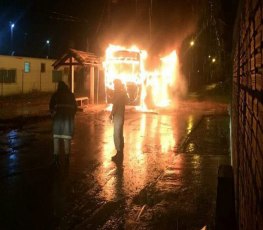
28, 82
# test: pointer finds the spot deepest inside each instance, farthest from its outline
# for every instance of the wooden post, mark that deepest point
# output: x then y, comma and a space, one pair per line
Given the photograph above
71, 78
70, 73
92, 84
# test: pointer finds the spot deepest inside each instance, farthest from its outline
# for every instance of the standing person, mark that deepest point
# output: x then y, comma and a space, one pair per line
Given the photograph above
63, 108
117, 115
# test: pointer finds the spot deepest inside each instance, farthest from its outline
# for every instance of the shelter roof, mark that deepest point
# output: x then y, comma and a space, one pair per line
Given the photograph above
77, 57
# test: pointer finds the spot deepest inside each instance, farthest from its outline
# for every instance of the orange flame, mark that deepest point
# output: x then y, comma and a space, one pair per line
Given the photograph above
166, 80
128, 65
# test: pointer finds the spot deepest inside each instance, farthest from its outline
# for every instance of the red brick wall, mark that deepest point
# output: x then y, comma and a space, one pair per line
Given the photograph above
247, 115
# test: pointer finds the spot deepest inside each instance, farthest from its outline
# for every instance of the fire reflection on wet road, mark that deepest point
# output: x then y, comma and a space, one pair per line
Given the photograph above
150, 141
93, 185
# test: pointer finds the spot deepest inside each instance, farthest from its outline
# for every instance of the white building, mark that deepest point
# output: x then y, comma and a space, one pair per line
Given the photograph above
24, 75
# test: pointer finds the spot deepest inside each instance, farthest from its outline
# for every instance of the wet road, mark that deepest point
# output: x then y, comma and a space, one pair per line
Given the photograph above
164, 169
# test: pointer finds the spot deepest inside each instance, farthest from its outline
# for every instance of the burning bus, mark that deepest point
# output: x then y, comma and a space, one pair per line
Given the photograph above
126, 64
146, 89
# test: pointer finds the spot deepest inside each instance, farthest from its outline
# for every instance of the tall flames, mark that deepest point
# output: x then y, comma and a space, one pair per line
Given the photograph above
128, 65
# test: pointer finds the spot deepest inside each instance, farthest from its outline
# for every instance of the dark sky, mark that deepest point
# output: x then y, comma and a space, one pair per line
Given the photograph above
92, 24
64, 23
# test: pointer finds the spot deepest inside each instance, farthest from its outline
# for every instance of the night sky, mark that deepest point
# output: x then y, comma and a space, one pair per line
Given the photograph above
92, 24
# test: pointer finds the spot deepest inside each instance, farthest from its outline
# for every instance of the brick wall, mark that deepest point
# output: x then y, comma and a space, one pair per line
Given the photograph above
247, 114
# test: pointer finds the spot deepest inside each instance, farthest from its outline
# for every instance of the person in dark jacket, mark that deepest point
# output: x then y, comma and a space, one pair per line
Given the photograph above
117, 115
63, 108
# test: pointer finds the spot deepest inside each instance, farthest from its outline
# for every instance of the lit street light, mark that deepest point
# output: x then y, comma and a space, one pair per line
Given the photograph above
213, 60
48, 48
192, 43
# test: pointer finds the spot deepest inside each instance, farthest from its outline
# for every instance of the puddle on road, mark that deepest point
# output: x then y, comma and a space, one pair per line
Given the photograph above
14, 141
212, 136
185, 194
148, 149
150, 142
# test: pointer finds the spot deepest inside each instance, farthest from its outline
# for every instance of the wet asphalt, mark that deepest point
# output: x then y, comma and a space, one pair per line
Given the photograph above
168, 178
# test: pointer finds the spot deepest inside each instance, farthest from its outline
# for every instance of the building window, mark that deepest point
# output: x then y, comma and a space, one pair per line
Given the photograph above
27, 67
8, 76
56, 76
11, 76
43, 67
3, 73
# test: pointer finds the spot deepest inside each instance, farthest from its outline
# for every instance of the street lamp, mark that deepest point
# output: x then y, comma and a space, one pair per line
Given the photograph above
48, 47
12, 25
192, 43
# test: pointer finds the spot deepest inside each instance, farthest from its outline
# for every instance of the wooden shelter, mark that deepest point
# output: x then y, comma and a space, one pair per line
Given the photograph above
74, 58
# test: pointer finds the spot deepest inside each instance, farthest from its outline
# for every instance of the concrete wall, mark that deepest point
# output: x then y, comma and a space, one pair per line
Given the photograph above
247, 115
34, 80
